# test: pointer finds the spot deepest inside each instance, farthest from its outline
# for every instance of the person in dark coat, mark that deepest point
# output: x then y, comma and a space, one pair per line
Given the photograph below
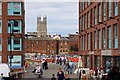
114, 74
60, 61
46, 64
60, 75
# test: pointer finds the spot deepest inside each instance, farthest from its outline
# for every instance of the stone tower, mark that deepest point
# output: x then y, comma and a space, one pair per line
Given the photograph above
41, 26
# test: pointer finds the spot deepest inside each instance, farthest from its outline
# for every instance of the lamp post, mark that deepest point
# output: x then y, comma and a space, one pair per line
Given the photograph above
11, 37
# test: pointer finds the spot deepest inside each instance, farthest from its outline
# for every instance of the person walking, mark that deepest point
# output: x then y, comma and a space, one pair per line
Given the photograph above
71, 67
60, 74
46, 64
43, 65
60, 61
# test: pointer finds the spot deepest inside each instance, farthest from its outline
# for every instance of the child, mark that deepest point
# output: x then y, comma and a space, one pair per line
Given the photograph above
53, 77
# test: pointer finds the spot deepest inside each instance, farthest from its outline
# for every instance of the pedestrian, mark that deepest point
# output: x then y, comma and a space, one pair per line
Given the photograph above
60, 61
66, 67
64, 61
79, 73
43, 65
53, 77
71, 67
60, 74
46, 64
114, 74
84, 77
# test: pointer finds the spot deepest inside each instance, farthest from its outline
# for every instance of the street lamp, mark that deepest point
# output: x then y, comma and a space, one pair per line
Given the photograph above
11, 37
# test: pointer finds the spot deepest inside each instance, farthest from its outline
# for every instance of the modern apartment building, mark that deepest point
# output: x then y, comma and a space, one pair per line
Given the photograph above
12, 29
99, 33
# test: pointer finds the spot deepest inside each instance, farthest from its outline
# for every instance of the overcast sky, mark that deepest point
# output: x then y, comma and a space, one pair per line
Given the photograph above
62, 17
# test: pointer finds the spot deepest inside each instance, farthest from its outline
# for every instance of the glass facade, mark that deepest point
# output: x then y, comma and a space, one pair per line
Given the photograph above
0, 26
15, 25
14, 8
104, 11
116, 7
0, 44
88, 19
83, 23
16, 61
99, 13
89, 40
99, 39
110, 8
109, 38
95, 42
95, 16
16, 44
0, 8
104, 38
115, 35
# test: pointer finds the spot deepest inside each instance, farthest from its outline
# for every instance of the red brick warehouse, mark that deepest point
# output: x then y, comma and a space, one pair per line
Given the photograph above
99, 33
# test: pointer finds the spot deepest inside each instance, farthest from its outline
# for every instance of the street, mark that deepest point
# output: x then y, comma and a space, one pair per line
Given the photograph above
47, 74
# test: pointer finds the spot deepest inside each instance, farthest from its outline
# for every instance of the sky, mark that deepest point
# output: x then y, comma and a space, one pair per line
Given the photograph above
62, 17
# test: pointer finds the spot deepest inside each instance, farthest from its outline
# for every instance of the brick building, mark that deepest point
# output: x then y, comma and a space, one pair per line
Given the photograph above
73, 43
12, 27
47, 45
42, 45
99, 33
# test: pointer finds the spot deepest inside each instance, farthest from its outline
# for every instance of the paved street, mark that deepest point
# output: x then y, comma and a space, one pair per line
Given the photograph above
53, 69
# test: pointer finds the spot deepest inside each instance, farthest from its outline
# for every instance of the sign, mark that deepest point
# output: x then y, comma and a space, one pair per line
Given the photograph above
16, 61
106, 52
91, 52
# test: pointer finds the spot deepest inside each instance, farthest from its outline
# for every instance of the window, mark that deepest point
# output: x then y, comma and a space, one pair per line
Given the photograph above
95, 16
99, 13
109, 38
0, 26
16, 44
84, 42
0, 44
88, 19
15, 25
82, 3
115, 35
95, 42
89, 40
81, 48
104, 38
80, 23
110, 8
0, 8
14, 8
104, 11
115, 7
99, 39
89, 2
85, 23
16, 61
